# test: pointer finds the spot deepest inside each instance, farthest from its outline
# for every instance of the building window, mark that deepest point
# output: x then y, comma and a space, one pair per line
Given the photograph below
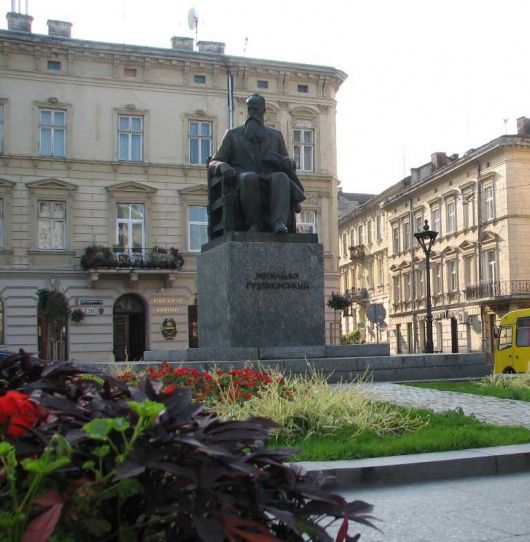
344, 245
419, 284
2, 127
199, 79
489, 207
418, 223
129, 72
303, 88
52, 128
489, 266
381, 271
361, 234
200, 141
197, 228
262, 84
436, 223
379, 227
370, 232
397, 289
52, 225
395, 239
437, 279
452, 276
54, 65
451, 216
304, 144
467, 210
306, 223
130, 136
406, 287
406, 235
468, 270
130, 226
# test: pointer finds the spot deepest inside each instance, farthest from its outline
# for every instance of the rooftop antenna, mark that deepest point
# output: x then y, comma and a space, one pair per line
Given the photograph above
245, 45
193, 22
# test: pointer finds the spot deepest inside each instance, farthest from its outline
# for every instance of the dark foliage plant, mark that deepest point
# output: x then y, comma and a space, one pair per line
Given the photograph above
338, 302
99, 460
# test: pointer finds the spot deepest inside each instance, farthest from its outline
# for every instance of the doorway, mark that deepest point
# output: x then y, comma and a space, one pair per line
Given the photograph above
454, 335
129, 328
193, 328
52, 325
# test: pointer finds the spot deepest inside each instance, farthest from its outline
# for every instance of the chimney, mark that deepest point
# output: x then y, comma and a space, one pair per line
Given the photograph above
59, 29
212, 47
438, 160
523, 126
18, 22
182, 44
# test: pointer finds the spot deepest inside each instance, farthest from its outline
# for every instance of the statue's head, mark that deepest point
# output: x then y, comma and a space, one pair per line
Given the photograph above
256, 106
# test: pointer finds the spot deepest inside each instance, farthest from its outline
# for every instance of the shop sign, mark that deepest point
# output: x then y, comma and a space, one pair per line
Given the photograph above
166, 304
90, 301
169, 329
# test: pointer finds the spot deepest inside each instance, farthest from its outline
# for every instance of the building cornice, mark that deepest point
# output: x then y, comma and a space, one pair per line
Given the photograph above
130, 54
470, 158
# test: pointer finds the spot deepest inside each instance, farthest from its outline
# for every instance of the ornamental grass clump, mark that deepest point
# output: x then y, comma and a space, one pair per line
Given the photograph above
509, 382
85, 457
304, 406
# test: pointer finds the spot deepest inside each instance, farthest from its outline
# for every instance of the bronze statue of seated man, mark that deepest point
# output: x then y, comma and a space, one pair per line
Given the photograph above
269, 189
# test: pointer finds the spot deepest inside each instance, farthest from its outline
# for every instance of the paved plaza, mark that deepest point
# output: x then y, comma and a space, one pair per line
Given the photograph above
487, 409
472, 509
490, 508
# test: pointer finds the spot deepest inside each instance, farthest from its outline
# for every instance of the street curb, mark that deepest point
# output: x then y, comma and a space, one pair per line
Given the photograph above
423, 467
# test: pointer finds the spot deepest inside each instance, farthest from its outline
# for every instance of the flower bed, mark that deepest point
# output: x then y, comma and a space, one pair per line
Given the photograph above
86, 457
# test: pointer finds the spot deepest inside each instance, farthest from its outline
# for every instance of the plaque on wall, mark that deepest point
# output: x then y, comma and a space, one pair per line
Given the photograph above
169, 329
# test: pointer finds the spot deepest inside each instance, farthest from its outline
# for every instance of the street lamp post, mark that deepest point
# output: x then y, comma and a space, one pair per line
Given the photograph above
426, 238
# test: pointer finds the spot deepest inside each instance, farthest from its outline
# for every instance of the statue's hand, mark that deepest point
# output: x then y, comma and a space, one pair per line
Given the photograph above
288, 164
297, 207
227, 170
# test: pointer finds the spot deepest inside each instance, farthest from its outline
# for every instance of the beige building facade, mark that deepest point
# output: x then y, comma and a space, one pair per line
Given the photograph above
103, 180
478, 204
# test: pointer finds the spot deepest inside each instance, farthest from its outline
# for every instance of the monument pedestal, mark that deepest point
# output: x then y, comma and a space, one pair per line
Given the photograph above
261, 289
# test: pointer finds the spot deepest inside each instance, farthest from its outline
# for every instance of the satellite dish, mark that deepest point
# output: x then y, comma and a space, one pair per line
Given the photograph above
192, 19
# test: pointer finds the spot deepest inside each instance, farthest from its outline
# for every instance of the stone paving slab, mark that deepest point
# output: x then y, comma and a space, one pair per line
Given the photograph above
486, 409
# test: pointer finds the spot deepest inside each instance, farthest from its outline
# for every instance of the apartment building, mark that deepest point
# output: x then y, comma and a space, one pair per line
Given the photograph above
103, 181
478, 204
363, 265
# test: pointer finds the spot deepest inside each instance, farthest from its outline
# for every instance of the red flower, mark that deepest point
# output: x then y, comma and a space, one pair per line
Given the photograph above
170, 388
18, 413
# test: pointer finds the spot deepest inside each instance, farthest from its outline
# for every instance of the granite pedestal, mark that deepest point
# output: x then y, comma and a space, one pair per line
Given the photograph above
261, 289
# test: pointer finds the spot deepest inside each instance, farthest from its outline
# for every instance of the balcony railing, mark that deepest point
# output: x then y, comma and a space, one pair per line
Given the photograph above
497, 288
357, 295
99, 257
357, 253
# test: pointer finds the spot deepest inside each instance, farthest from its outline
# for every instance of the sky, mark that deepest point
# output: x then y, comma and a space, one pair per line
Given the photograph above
423, 76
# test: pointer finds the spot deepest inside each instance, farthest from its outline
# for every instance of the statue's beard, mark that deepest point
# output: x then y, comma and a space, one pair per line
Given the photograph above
254, 130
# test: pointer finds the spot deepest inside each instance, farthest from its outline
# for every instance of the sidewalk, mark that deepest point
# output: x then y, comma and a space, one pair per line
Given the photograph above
438, 465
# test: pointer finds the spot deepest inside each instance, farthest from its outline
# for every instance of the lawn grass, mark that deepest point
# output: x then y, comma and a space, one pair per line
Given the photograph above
477, 388
444, 432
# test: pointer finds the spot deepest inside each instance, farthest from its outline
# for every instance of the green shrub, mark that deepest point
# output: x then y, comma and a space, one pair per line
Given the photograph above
353, 337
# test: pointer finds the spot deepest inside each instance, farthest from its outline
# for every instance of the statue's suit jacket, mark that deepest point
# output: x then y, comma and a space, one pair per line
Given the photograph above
263, 159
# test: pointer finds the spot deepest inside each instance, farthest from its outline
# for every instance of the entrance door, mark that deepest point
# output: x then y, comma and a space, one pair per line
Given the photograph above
193, 335
52, 324
454, 335
129, 328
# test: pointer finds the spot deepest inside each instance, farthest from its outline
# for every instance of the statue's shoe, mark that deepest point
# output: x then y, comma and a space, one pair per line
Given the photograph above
280, 227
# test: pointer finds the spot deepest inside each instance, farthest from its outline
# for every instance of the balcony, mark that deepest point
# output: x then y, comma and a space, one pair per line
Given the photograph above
131, 263
357, 295
491, 290
357, 253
